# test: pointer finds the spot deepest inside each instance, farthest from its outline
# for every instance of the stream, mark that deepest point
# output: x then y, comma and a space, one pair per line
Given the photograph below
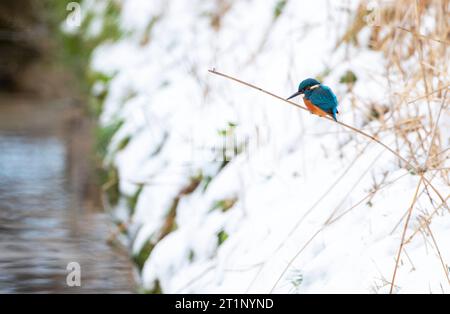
46, 217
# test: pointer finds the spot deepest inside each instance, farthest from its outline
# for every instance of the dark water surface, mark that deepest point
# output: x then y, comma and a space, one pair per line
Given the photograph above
43, 223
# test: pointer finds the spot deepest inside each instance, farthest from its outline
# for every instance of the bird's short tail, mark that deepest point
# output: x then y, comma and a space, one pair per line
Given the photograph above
333, 114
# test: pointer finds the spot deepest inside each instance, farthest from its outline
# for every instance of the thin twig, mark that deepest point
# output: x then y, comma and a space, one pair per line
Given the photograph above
328, 223
423, 36
439, 253
406, 211
428, 220
413, 202
324, 195
427, 95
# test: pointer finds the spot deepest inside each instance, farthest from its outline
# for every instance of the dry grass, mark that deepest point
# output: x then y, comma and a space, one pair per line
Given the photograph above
417, 54
401, 37
417, 70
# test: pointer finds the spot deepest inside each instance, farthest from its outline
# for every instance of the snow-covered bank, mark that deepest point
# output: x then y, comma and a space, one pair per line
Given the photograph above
224, 189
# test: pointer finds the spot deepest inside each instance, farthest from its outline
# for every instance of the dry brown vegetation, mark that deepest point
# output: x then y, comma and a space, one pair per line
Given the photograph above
413, 37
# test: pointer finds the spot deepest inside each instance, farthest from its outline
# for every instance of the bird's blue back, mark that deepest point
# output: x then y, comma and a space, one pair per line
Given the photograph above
324, 98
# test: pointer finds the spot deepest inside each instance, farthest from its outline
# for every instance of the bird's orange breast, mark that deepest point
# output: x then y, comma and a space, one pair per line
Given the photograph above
314, 109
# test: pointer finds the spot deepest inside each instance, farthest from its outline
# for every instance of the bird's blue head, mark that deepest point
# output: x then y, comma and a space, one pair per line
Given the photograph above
304, 86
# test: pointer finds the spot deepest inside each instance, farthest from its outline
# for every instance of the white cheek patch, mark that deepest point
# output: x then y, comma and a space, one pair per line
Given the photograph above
314, 86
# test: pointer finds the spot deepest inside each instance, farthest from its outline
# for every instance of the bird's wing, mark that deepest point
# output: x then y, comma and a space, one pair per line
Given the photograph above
324, 98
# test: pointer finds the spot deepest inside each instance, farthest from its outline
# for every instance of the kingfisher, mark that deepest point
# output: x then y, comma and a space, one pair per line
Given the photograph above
318, 98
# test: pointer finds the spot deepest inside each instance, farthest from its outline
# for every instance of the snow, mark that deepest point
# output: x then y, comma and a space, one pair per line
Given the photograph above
299, 181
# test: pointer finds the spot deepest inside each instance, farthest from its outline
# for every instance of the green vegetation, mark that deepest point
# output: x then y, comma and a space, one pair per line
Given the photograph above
132, 200
108, 175
140, 258
109, 178
123, 143
148, 30
104, 135
349, 78
74, 50
225, 204
222, 236
170, 224
156, 288
191, 256
96, 101
296, 278
229, 130
206, 181
279, 7
77, 48
230, 147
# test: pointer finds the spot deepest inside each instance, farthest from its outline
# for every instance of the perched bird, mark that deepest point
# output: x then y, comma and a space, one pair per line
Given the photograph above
319, 99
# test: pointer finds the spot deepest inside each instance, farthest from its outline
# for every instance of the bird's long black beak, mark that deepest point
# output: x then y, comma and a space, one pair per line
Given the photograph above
295, 95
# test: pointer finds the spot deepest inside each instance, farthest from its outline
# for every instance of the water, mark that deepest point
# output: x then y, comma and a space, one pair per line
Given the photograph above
43, 223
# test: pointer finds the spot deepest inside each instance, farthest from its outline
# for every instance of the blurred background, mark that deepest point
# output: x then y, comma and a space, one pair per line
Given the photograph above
120, 151
50, 200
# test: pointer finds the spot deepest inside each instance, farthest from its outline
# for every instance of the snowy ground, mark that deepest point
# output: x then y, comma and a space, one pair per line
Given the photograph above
305, 206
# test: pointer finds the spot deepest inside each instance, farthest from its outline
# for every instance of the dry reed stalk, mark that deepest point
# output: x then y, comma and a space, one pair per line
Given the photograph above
422, 178
444, 265
397, 260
